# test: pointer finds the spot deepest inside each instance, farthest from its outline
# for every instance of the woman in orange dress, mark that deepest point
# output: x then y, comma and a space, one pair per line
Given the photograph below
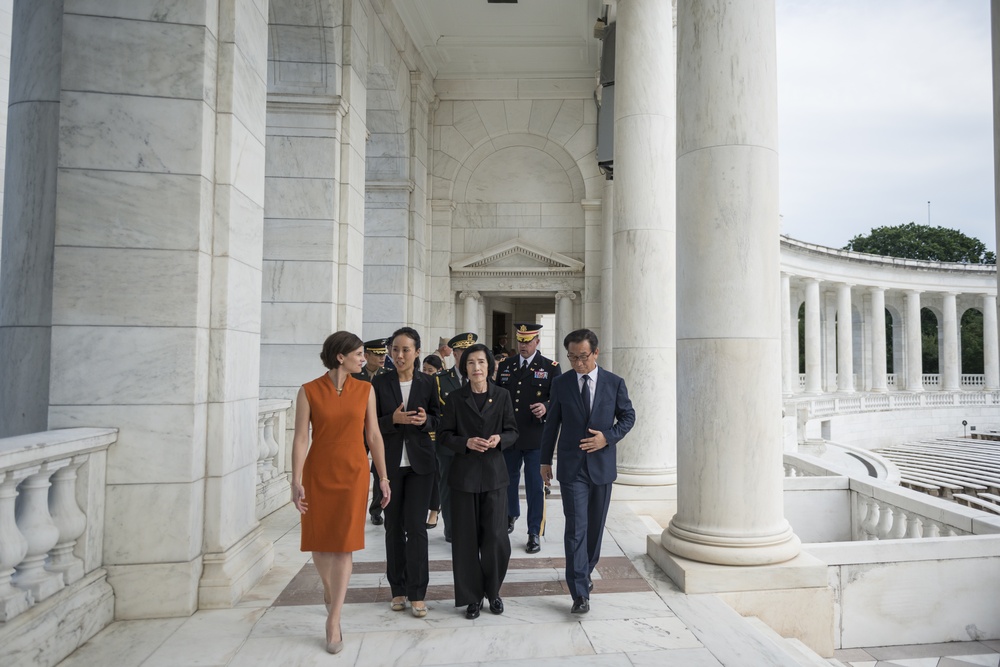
330, 477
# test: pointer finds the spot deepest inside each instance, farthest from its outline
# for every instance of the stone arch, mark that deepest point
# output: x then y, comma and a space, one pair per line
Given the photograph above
304, 46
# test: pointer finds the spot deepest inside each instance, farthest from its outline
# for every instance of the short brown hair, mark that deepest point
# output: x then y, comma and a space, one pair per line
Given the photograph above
341, 342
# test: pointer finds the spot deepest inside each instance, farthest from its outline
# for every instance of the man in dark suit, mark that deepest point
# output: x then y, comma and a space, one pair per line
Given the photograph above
528, 377
592, 407
448, 381
375, 353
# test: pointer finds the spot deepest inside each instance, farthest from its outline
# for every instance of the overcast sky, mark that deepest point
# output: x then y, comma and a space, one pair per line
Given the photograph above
884, 105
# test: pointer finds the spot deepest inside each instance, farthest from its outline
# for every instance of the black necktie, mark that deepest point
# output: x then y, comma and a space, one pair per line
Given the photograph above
585, 394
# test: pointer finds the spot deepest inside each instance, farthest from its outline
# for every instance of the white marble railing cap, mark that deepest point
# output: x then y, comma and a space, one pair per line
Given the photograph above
34, 448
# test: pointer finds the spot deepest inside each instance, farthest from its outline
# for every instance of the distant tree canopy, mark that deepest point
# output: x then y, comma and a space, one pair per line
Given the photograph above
913, 241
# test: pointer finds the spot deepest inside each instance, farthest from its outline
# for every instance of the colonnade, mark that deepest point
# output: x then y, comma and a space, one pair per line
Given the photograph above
860, 346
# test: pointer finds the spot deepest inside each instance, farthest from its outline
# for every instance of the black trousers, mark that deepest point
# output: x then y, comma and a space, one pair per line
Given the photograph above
375, 509
406, 533
585, 506
445, 458
480, 548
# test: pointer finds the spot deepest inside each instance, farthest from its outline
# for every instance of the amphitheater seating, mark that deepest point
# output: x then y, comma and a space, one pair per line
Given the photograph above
963, 470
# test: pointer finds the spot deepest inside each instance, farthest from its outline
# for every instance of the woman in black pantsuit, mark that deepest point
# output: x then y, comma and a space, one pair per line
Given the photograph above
477, 423
407, 406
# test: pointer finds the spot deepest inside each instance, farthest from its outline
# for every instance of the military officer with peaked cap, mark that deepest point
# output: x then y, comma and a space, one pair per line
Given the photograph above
527, 376
448, 381
375, 351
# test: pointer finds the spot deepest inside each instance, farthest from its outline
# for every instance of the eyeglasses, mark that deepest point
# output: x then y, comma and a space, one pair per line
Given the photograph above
574, 358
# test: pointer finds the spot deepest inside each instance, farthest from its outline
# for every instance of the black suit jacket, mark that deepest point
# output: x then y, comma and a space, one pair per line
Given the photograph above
471, 471
528, 386
419, 445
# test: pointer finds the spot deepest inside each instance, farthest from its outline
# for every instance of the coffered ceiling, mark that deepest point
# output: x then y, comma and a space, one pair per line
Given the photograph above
528, 38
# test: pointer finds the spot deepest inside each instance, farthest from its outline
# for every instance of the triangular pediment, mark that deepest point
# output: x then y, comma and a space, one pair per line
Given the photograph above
517, 256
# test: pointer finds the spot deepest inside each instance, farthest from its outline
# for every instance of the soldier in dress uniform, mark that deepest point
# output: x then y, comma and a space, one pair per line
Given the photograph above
448, 381
527, 376
375, 352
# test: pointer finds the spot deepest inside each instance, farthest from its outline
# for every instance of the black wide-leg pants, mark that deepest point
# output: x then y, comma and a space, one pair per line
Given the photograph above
480, 548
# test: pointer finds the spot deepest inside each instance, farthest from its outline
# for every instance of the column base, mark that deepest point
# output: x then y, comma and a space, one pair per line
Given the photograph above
228, 576
794, 597
729, 551
666, 477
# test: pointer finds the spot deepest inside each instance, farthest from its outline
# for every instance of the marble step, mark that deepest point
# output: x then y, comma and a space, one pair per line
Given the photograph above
802, 654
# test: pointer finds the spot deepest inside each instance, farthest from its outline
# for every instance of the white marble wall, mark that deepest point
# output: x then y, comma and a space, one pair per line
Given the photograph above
6, 19
156, 296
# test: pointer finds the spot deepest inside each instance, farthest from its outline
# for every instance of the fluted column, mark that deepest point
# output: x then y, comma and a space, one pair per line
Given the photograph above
878, 339
914, 349
644, 239
845, 340
564, 324
991, 357
730, 474
607, 282
814, 366
949, 367
470, 315
788, 380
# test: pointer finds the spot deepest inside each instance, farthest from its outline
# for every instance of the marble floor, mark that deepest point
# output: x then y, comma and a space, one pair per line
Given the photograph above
638, 617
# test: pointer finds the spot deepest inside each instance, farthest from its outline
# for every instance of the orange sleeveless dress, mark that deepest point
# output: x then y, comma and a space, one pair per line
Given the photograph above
335, 474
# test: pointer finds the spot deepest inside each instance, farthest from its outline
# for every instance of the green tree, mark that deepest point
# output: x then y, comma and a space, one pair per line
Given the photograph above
913, 241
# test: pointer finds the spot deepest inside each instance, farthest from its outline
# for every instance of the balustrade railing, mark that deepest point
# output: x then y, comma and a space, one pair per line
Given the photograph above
882, 510
973, 380
272, 474
47, 540
890, 380
931, 380
802, 381
823, 406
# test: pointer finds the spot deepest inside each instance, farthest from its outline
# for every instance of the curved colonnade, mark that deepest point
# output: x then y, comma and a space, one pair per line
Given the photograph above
819, 283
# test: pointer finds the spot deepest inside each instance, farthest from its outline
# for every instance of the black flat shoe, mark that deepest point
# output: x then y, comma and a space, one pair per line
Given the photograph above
431, 525
533, 546
511, 520
473, 610
580, 606
496, 606
377, 519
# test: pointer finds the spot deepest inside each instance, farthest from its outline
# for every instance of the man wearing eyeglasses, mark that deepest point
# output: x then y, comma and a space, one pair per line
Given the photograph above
592, 407
528, 377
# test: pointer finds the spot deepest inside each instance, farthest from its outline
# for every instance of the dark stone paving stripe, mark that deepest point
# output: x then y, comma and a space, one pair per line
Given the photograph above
617, 575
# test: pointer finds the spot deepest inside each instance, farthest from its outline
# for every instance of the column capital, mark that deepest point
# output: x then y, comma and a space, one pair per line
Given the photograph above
913, 292
470, 294
565, 294
874, 289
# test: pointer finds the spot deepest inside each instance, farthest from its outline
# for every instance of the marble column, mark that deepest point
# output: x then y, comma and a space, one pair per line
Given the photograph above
564, 324
29, 217
470, 311
914, 343
730, 474
991, 355
644, 238
829, 320
789, 379
443, 317
814, 364
607, 336
845, 340
878, 339
949, 366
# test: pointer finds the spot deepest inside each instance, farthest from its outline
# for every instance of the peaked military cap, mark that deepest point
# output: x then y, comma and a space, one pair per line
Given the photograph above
525, 331
376, 346
463, 341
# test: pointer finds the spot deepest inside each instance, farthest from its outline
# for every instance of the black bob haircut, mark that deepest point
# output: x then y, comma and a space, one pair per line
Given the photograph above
491, 363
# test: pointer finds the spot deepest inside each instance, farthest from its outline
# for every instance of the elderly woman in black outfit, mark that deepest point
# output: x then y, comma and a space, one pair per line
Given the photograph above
407, 408
477, 423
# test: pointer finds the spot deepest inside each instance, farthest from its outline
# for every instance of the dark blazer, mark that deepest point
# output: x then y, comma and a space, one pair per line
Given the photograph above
611, 414
419, 445
531, 385
447, 381
475, 472
364, 375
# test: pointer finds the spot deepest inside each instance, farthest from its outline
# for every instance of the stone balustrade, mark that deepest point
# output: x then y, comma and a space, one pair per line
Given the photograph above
824, 406
272, 468
47, 539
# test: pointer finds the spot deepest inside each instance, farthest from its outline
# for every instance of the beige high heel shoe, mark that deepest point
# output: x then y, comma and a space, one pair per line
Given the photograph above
338, 646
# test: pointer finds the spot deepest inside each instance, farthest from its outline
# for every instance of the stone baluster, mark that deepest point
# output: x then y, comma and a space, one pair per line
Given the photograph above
899, 524
13, 547
932, 529
884, 528
272, 445
261, 450
915, 527
36, 524
869, 527
69, 519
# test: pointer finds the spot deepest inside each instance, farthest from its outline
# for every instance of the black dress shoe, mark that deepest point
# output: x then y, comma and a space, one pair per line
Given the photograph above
533, 546
377, 519
590, 586
580, 606
496, 605
447, 539
511, 520
472, 611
